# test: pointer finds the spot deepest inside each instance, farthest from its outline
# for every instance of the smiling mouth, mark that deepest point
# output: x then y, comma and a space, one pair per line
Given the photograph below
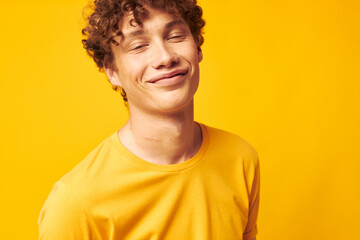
169, 76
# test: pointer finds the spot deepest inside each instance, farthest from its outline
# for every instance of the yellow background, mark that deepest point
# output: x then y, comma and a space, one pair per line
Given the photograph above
284, 75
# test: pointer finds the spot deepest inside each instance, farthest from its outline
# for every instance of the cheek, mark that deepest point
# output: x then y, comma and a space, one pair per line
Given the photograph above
194, 56
131, 72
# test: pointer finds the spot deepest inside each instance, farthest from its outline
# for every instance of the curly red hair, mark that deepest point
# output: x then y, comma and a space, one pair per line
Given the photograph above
103, 24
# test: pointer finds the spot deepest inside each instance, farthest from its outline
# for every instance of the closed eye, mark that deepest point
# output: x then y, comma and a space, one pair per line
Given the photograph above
177, 38
138, 47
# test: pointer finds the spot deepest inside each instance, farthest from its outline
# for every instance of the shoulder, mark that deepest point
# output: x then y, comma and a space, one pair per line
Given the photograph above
87, 176
61, 212
231, 145
60, 197
93, 164
70, 198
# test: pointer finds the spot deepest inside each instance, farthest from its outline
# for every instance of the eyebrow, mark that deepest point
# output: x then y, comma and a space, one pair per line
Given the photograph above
141, 31
134, 33
174, 23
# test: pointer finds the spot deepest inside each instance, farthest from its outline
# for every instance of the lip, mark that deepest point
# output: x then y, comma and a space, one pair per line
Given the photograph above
178, 73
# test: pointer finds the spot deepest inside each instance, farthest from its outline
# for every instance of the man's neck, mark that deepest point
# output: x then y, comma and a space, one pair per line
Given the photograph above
164, 140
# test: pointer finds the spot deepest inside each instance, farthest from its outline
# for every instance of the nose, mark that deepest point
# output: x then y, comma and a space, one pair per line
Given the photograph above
163, 56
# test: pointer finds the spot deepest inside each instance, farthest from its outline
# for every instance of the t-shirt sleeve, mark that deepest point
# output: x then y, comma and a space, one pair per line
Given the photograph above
251, 227
63, 216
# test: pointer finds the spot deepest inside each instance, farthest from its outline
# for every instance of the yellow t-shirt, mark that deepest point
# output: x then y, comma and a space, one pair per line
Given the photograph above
113, 194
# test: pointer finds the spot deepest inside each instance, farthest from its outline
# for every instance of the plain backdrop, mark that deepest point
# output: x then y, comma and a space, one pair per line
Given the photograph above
284, 75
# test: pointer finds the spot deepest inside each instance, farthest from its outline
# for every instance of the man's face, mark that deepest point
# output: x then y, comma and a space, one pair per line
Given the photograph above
157, 63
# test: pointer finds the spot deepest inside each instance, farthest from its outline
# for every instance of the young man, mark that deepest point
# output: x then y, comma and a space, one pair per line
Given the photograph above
162, 175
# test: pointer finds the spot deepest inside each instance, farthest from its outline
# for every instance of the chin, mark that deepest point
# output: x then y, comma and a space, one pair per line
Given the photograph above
173, 105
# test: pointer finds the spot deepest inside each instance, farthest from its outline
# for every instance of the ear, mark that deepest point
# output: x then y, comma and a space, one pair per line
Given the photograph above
113, 77
200, 55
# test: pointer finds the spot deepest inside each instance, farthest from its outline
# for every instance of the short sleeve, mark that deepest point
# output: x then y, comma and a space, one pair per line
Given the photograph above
251, 227
63, 217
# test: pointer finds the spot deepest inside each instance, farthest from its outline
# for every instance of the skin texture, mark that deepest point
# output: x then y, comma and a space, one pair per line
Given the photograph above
157, 64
